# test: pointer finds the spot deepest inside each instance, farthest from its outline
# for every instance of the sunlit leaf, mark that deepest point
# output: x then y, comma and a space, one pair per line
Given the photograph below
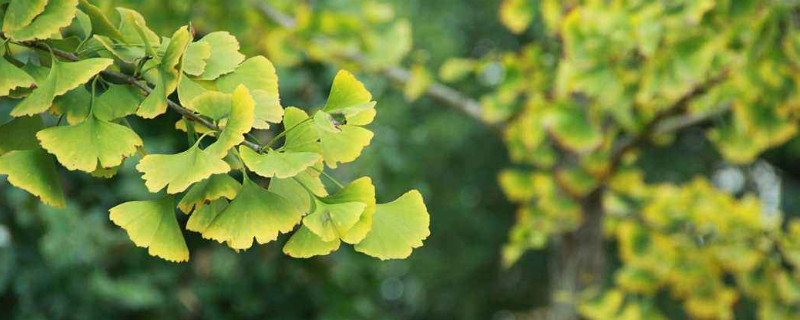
239, 122
34, 171
56, 15
166, 76
225, 56
306, 244
13, 77
20, 133
194, 61
202, 217
294, 189
258, 75
100, 23
178, 171
278, 164
153, 225
397, 228
20, 13
215, 187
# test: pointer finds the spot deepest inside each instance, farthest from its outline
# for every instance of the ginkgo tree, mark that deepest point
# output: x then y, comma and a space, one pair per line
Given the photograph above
67, 60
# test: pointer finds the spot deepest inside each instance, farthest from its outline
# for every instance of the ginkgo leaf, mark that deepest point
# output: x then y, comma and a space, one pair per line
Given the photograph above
100, 23
332, 220
153, 225
348, 95
397, 228
56, 15
225, 56
202, 217
63, 76
258, 75
300, 135
20, 13
13, 77
166, 76
81, 146
20, 133
73, 105
34, 171
342, 146
254, 213
295, 193
107, 173
194, 61
116, 102
278, 164
178, 171
213, 104
132, 24
239, 122
215, 187
360, 190
306, 244
188, 90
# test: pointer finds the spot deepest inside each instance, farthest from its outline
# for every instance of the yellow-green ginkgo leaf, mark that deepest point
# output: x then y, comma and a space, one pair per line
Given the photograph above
21, 12
225, 56
81, 146
278, 164
117, 102
194, 61
202, 217
254, 213
188, 90
294, 189
332, 220
178, 171
73, 105
63, 76
13, 77
56, 15
360, 190
300, 133
258, 75
166, 76
34, 171
153, 225
215, 187
132, 26
348, 95
344, 145
107, 173
20, 134
100, 23
213, 104
397, 228
306, 244
239, 122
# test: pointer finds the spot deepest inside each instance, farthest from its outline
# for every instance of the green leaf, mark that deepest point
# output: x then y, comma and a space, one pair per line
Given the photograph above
397, 228
81, 146
13, 77
254, 213
342, 146
63, 76
188, 91
178, 171
167, 76
202, 218
34, 171
295, 193
73, 105
100, 23
278, 164
240, 121
20, 133
573, 130
194, 61
306, 244
348, 95
215, 187
20, 13
258, 75
213, 104
152, 224
116, 102
225, 56
131, 24
360, 190
302, 137
56, 15
331, 221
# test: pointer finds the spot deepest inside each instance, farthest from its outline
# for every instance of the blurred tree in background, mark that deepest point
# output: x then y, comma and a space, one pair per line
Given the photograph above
649, 148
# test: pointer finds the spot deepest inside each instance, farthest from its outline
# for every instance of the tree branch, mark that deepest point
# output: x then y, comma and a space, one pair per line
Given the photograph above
401, 76
127, 79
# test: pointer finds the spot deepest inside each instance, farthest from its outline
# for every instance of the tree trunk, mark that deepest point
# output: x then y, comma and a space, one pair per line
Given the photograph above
579, 260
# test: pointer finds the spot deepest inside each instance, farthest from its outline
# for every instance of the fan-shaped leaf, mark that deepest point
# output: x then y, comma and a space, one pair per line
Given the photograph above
278, 164
295, 193
34, 171
332, 220
202, 218
100, 23
194, 61
360, 190
215, 187
342, 146
306, 244
56, 15
178, 171
240, 121
300, 135
116, 102
397, 228
258, 75
167, 76
254, 213
13, 77
20, 13
63, 76
225, 56
81, 146
348, 95
20, 134
152, 224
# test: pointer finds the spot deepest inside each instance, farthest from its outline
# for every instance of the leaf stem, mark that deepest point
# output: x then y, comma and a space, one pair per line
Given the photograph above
331, 178
283, 134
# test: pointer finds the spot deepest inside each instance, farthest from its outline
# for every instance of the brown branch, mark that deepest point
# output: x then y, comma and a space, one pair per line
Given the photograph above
401, 76
124, 78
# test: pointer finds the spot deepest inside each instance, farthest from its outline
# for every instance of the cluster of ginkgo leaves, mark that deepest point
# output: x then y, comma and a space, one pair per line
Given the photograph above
68, 59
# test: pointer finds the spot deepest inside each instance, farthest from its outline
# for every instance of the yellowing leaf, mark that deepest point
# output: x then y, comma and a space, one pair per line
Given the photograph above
202, 217
516, 15
240, 121
344, 145
73, 105
360, 190
81, 146
194, 61
56, 15
397, 228
63, 76
254, 213
278, 164
20, 134
116, 102
215, 187
20, 13
100, 23
13, 77
258, 75
302, 137
213, 104
34, 171
330, 221
178, 171
292, 190
348, 95
225, 56
152, 224
167, 76
306, 244
188, 90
